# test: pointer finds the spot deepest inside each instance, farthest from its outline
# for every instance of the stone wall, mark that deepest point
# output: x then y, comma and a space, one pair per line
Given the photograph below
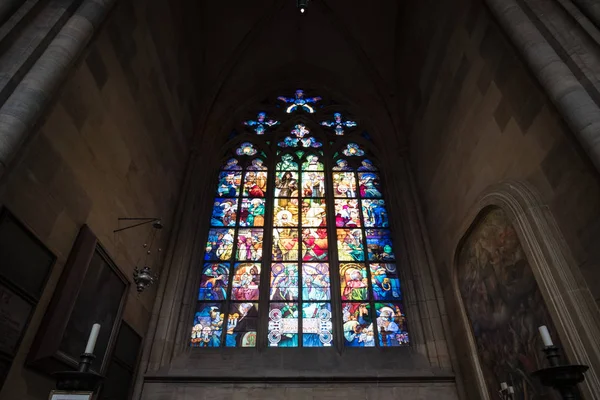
298, 391
476, 116
114, 144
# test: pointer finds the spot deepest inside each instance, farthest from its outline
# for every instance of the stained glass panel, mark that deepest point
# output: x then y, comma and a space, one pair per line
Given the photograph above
252, 213
213, 285
312, 163
367, 165
286, 184
342, 165
350, 245
354, 282
224, 212
316, 282
245, 282
229, 184
284, 282
287, 163
285, 212
379, 245
257, 165
347, 214
208, 325
219, 245
313, 184
250, 242
369, 185
385, 282
375, 214
391, 323
283, 325
231, 165
242, 325
358, 325
314, 212
314, 244
255, 184
344, 184
285, 244
317, 329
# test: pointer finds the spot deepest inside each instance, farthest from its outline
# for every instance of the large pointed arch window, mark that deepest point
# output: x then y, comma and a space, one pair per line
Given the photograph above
299, 250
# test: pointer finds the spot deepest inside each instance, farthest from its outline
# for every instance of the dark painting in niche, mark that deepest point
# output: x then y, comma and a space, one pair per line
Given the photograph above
504, 306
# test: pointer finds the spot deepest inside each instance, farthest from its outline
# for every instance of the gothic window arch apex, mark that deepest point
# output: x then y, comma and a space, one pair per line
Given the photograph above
299, 250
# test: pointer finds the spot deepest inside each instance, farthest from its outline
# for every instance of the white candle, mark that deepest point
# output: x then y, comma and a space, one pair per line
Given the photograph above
545, 336
503, 386
89, 349
511, 390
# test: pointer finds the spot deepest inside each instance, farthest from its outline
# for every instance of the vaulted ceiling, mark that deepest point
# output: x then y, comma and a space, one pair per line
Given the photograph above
344, 47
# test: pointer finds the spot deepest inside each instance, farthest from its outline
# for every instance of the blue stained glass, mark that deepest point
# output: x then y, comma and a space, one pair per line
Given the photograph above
305, 142
338, 124
261, 124
257, 165
367, 165
317, 329
219, 245
246, 149
299, 101
224, 212
208, 325
215, 278
342, 165
353, 150
369, 185
391, 324
315, 282
358, 325
379, 245
229, 184
375, 214
231, 165
385, 282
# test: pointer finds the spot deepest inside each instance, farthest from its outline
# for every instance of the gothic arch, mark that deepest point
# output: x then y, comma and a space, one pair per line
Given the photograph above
568, 300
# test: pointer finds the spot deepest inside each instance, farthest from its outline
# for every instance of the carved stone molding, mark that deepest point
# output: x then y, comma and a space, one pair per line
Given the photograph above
567, 297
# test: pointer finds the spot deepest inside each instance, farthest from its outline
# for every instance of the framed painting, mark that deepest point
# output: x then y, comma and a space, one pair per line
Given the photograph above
25, 265
91, 290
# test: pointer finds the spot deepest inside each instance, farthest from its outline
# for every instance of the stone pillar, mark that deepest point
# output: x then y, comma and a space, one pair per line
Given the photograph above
575, 103
7, 8
32, 95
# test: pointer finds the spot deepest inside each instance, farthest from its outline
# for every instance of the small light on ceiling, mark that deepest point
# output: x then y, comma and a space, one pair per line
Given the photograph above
302, 5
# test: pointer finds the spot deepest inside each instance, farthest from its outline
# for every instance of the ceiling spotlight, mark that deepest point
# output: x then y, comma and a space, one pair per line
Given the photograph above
302, 5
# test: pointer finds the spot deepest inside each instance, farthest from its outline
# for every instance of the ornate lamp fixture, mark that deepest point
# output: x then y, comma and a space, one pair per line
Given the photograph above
302, 4
143, 277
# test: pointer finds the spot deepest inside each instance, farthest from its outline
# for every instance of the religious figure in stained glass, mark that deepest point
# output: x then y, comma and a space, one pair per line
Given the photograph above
300, 138
246, 149
261, 123
353, 150
299, 101
338, 124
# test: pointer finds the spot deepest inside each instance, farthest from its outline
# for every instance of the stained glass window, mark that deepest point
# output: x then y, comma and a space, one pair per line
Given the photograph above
306, 234
300, 296
227, 308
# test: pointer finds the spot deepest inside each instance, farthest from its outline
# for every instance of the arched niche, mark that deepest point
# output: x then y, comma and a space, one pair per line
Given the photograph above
568, 301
